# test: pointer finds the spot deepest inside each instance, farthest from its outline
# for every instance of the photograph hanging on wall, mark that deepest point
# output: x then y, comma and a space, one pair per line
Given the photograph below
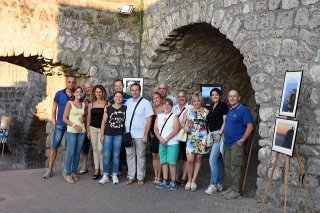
290, 93
127, 82
205, 92
284, 136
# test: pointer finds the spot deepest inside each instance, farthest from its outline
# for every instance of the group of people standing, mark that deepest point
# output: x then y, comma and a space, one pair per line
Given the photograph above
219, 130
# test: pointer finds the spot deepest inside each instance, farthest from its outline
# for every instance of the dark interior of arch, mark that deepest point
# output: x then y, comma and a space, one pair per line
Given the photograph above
199, 54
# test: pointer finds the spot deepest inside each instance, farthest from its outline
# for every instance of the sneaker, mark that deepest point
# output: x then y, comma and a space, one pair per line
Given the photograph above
48, 174
104, 179
115, 179
164, 184
188, 186
174, 185
211, 189
193, 186
232, 195
219, 187
226, 192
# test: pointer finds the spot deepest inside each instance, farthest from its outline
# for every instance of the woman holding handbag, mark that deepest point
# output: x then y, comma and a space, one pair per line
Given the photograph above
154, 141
166, 128
195, 124
216, 121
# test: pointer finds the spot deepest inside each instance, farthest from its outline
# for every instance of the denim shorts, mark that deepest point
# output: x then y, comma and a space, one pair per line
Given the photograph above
59, 131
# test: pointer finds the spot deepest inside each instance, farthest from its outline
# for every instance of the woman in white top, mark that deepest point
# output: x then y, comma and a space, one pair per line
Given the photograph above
166, 128
73, 117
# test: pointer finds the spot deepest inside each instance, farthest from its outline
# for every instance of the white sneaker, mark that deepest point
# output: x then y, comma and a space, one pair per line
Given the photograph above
104, 179
211, 189
219, 187
115, 179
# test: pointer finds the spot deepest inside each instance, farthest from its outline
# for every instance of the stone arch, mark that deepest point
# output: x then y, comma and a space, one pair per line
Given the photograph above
272, 37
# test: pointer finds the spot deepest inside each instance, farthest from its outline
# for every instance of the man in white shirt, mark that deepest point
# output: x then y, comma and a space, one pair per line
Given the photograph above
180, 109
136, 155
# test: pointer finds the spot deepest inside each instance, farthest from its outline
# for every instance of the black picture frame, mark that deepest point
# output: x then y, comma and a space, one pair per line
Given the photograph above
290, 93
285, 134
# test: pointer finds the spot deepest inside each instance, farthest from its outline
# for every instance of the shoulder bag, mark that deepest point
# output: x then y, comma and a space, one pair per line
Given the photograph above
126, 138
182, 135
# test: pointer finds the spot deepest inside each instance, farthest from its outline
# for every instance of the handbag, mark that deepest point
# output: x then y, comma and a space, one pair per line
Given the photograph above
127, 138
182, 136
209, 141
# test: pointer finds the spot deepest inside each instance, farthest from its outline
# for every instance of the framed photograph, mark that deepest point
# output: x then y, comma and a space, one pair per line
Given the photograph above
290, 93
205, 92
284, 136
127, 82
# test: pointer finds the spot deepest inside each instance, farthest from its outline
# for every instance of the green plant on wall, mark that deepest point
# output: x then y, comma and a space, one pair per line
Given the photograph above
138, 16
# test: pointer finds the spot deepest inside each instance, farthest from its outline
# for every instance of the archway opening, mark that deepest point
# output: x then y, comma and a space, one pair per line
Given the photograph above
199, 54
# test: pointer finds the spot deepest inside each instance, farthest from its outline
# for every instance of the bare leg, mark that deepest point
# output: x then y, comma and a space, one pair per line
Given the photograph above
53, 155
173, 170
190, 159
165, 171
84, 162
184, 169
159, 168
197, 166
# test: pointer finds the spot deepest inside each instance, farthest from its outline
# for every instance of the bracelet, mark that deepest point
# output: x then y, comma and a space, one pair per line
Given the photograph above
73, 125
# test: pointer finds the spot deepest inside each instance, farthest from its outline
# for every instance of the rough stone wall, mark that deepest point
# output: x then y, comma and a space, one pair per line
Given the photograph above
272, 36
21, 92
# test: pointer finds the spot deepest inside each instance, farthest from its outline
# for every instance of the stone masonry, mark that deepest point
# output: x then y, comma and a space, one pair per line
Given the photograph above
184, 42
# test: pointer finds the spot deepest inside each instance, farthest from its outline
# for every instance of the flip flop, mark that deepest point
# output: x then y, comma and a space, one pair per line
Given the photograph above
82, 172
129, 182
183, 183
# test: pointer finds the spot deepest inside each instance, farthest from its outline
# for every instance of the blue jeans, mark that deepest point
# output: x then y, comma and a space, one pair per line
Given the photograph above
74, 144
59, 131
215, 162
112, 143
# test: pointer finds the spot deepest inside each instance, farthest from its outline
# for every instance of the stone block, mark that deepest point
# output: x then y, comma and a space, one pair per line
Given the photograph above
113, 61
93, 71
203, 10
84, 66
273, 47
308, 2
314, 167
288, 4
265, 142
261, 5
260, 81
268, 113
314, 135
284, 19
308, 150
305, 52
314, 97
315, 73
209, 13
110, 72
255, 68
227, 20
150, 73
274, 4
266, 129
302, 17
277, 175
67, 58
311, 39
261, 170
228, 3
233, 31
195, 12
268, 64
289, 47
247, 8
217, 18
314, 21
250, 22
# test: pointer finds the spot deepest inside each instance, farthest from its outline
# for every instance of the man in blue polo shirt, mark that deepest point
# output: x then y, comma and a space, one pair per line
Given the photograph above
238, 127
59, 127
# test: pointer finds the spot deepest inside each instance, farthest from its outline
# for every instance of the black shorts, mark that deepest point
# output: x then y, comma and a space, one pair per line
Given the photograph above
85, 146
182, 151
154, 144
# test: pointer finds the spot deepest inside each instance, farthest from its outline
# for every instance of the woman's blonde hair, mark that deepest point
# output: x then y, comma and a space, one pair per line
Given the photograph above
197, 95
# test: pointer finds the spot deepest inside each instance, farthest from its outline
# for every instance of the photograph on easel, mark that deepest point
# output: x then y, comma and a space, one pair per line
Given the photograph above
284, 136
290, 93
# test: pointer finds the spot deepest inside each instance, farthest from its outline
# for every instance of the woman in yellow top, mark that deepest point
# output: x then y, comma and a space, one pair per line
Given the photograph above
73, 117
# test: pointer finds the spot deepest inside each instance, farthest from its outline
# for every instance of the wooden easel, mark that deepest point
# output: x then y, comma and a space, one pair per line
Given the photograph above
302, 174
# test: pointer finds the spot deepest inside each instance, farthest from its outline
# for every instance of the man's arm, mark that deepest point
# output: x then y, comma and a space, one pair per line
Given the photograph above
54, 114
146, 130
245, 135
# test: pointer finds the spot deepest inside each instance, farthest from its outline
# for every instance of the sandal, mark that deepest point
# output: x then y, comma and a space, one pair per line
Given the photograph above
82, 172
69, 179
96, 177
183, 183
140, 182
129, 182
74, 177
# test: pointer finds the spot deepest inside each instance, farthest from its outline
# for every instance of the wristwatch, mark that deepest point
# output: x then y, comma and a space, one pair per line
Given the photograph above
241, 140
166, 139
73, 125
